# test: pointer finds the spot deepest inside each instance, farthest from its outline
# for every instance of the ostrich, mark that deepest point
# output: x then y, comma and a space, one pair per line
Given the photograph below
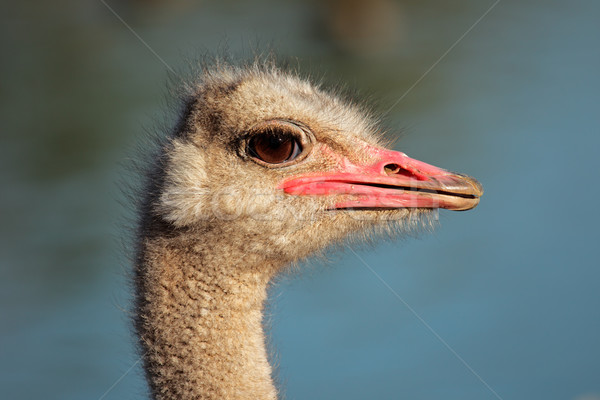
262, 170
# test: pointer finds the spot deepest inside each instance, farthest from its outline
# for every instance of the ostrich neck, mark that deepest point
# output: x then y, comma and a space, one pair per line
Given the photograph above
200, 320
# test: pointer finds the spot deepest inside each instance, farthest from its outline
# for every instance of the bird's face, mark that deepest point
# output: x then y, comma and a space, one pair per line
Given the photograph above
275, 158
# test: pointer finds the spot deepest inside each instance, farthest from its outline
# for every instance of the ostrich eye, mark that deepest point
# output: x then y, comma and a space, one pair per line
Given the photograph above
274, 147
276, 143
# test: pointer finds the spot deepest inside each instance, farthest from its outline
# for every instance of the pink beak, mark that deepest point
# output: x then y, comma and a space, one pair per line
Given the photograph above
393, 181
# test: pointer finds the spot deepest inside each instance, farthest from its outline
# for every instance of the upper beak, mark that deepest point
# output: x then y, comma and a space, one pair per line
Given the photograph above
393, 181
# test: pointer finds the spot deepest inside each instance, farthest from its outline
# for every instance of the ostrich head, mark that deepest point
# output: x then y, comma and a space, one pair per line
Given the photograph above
282, 168
263, 169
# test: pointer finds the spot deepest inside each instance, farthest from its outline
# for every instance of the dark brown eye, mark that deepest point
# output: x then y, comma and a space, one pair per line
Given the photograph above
274, 147
273, 143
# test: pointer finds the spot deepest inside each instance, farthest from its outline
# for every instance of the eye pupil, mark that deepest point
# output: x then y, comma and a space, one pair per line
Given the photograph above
274, 147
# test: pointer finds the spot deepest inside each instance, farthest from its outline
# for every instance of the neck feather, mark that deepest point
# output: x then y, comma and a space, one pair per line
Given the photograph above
199, 321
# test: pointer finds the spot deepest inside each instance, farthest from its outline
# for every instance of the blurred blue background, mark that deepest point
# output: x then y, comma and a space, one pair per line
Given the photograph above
512, 287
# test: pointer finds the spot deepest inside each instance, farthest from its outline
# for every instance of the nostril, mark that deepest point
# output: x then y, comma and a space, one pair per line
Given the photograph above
396, 170
392, 169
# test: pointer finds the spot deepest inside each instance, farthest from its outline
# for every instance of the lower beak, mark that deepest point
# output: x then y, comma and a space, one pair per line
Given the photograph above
394, 181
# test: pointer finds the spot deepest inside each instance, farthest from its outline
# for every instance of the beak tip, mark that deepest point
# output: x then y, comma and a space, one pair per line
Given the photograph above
477, 187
